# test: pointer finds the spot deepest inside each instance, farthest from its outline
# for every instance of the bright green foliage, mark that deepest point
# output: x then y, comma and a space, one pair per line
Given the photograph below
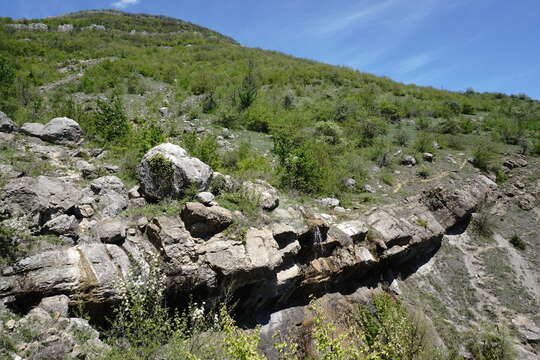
162, 172
204, 148
300, 170
491, 345
7, 73
111, 123
247, 92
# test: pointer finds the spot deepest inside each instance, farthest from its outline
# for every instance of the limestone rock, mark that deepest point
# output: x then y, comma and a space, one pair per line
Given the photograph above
62, 131
205, 198
6, 124
329, 202
166, 171
33, 129
202, 221
37, 200
62, 225
408, 161
65, 28
111, 231
56, 304
265, 193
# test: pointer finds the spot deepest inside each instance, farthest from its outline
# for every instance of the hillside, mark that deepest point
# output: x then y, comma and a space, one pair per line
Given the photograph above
200, 181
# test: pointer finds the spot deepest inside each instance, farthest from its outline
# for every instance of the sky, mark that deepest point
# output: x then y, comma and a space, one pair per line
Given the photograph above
487, 45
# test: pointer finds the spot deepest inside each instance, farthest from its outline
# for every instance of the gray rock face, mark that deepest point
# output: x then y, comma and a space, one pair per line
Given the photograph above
58, 337
265, 193
38, 200
271, 264
204, 221
91, 269
108, 195
6, 124
166, 171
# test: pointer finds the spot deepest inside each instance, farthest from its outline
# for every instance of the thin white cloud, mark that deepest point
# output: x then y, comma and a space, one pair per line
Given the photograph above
122, 4
365, 15
415, 62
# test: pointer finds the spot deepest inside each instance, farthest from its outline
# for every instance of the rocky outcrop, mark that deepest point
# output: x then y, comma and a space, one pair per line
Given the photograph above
271, 265
63, 131
166, 171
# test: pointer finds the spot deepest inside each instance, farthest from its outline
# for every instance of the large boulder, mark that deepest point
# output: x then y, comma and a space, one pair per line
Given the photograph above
203, 221
264, 193
6, 125
38, 200
166, 171
63, 131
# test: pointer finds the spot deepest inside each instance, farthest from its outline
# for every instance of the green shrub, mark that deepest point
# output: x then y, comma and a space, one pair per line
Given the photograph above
491, 345
111, 123
328, 131
517, 242
424, 173
205, 148
247, 92
369, 129
484, 157
424, 143
402, 138
300, 170
7, 73
423, 123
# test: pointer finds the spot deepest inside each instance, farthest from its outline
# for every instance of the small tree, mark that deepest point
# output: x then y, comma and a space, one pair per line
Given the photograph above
248, 91
111, 120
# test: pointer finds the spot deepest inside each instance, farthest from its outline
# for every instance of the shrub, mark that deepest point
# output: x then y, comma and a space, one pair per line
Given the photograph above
449, 126
484, 157
329, 131
491, 345
111, 122
369, 129
149, 136
205, 148
423, 123
247, 92
300, 171
424, 173
402, 138
7, 73
517, 242
424, 143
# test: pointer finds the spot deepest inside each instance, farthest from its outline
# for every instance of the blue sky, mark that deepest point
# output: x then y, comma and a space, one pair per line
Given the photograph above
489, 45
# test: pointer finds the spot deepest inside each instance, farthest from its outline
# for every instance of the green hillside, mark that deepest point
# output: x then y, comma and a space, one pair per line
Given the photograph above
327, 123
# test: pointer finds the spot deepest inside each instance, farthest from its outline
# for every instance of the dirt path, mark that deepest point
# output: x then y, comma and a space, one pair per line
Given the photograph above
437, 177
